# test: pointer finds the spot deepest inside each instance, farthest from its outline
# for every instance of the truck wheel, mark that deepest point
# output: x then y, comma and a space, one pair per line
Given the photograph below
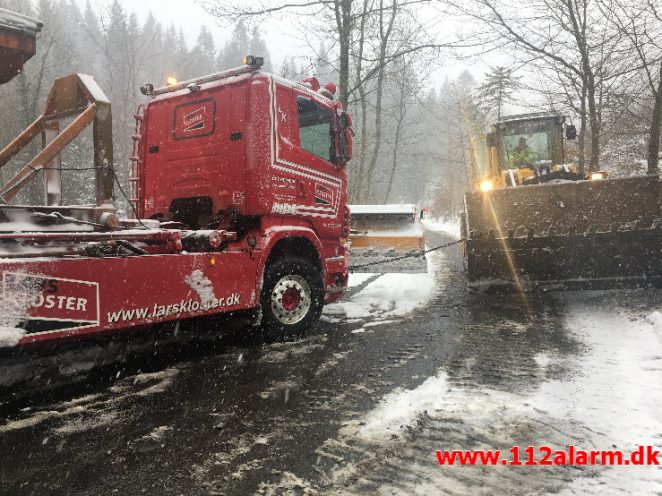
292, 297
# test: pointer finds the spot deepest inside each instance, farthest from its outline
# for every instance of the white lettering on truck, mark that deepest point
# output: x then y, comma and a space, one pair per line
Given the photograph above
71, 303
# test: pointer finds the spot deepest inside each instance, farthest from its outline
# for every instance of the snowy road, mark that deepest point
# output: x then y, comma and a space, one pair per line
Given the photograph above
407, 365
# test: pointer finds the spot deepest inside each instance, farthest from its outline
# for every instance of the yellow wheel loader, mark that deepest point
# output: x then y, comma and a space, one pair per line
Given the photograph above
533, 221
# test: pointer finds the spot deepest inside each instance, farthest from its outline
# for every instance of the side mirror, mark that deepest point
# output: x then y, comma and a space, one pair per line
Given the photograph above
571, 132
345, 135
490, 140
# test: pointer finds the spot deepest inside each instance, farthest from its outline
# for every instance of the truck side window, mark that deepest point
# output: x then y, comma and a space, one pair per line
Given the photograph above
315, 128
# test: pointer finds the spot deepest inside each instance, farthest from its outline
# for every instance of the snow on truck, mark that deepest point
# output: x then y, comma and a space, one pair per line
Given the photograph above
238, 193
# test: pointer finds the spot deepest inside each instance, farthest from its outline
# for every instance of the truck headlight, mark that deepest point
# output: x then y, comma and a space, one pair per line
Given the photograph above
597, 176
486, 185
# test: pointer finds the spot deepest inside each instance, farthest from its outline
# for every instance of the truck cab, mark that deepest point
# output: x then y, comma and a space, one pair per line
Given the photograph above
250, 153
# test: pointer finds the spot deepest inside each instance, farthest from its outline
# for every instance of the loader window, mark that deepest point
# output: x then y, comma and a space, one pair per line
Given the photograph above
525, 144
315, 128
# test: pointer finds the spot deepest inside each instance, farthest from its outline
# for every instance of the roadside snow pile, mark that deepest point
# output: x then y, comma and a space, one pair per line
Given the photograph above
359, 278
617, 395
619, 390
10, 336
388, 296
401, 408
656, 320
451, 227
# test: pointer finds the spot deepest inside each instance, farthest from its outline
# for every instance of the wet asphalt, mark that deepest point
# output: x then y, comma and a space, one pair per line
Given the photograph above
237, 416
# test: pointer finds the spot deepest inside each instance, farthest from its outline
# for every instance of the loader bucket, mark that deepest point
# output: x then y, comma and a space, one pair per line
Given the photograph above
388, 236
580, 234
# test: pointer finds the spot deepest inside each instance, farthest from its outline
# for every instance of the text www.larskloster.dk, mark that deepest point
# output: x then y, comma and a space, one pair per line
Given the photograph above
161, 311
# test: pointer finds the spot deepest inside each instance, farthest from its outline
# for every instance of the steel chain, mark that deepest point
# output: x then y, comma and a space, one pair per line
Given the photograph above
410, 255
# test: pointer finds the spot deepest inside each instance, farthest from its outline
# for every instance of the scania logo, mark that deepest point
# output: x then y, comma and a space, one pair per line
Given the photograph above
195, 120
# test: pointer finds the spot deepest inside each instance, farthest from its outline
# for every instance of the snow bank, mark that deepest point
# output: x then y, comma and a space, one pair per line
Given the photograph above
451, 227
359, 278
618, 391
655, 319
618, 394
400, 408
10, 336
390, 295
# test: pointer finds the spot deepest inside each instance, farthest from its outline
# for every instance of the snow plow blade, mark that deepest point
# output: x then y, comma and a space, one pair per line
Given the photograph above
576, 235
386, 239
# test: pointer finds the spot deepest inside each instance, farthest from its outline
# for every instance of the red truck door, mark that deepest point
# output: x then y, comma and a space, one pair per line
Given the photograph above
305, 151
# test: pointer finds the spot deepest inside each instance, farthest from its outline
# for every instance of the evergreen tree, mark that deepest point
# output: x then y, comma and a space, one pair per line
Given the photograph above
323, 70
235, 49
497, 90
258, 47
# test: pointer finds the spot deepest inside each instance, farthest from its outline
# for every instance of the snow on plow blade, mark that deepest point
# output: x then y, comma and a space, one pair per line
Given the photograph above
382, 235
575, 235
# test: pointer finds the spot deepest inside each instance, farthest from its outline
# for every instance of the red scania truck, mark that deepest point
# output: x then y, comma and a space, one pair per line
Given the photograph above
238, 201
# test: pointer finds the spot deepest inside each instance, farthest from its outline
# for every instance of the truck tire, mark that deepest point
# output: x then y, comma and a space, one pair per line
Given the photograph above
292, 297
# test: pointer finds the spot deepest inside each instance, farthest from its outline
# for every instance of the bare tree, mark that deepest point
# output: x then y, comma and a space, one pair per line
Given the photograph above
640, 24
385, 23
568, 36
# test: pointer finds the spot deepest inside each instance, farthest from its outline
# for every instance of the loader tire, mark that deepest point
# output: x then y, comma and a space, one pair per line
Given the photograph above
292, 298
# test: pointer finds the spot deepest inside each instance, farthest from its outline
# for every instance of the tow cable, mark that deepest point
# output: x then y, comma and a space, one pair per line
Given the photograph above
416, 254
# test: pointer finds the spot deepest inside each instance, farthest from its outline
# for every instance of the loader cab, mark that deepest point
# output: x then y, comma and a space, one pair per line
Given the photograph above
525, 141
521, 150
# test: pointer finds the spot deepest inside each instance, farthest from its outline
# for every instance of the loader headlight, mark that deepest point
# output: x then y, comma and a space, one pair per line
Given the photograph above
171, 80
597, 176
486, 185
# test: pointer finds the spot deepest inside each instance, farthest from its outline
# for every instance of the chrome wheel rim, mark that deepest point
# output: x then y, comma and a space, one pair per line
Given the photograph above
291, 299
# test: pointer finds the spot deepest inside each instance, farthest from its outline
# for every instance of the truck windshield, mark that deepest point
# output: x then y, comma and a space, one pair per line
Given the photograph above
524, 144
315, 128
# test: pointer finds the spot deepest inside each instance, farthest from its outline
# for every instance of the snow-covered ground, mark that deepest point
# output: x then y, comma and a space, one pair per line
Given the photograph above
450, 227
610, 399
384, 297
